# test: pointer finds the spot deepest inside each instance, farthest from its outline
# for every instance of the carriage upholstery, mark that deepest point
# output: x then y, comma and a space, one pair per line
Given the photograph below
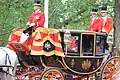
19, 47
46, 42
43, 41
15, 38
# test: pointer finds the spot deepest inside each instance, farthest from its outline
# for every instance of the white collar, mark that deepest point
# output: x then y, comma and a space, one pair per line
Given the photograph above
105, 17
94, 18
37, 10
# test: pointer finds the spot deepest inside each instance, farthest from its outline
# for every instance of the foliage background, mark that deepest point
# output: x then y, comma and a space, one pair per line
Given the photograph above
70, 14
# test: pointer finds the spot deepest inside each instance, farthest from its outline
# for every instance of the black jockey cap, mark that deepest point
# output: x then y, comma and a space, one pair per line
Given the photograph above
103, 9
37, 3
95, 10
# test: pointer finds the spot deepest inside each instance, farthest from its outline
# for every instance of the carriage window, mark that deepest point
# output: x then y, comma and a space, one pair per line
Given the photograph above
71, 46
100, 44
87, 44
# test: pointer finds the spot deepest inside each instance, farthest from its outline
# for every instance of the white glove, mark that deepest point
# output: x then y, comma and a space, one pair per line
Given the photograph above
28, 23
32, 24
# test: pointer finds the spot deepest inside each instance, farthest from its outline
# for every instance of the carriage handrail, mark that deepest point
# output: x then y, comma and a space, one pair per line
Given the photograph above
77, 31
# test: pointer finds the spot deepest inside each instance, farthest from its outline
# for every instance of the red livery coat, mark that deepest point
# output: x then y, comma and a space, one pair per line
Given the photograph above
107, 25
95, 25
38, 18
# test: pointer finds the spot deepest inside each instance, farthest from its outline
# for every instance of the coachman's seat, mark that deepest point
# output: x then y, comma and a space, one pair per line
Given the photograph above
43, 41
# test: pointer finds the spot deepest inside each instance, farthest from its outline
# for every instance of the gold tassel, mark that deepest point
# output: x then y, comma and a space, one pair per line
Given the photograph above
38, 36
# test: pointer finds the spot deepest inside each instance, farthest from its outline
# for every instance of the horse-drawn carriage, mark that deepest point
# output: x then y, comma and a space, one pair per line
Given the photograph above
52, 54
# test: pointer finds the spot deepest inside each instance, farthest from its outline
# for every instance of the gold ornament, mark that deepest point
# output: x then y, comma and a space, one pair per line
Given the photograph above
72, 63
86, 64
47, 45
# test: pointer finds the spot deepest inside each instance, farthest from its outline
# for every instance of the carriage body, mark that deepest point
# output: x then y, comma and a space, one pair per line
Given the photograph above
82, 52
86, 55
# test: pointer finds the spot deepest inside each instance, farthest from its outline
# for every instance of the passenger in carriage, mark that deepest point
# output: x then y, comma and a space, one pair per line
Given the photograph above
95, 21
37, 19
106, 21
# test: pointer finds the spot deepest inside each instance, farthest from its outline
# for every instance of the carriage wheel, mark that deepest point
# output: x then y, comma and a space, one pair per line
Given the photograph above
110, 69
28, 73
52, 74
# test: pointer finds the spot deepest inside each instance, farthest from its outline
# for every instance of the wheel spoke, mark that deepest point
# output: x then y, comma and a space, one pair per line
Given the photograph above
110, 69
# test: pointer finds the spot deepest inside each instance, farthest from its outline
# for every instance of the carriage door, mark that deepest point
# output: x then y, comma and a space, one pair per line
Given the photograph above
87, 44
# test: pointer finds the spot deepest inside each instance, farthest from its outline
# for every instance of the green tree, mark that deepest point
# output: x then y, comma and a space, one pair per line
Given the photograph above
13, 14
71, 14
75, 14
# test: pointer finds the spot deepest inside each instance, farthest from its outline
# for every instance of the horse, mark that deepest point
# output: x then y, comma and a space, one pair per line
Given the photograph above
8, 58
11, 53
8, 63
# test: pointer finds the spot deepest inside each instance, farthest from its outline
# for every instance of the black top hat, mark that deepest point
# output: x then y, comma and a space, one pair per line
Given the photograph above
94, 10
103, 9
37, 2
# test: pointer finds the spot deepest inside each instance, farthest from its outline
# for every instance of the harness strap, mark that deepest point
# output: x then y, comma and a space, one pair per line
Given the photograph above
8, 73
6, 57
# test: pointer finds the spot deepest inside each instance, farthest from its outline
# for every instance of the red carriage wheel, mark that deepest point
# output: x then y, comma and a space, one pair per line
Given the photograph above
110, 69
52, 74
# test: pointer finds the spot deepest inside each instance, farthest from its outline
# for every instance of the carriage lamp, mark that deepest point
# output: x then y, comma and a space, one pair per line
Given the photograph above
67, 40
